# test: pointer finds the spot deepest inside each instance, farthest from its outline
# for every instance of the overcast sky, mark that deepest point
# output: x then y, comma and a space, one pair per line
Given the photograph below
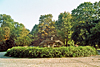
28, 12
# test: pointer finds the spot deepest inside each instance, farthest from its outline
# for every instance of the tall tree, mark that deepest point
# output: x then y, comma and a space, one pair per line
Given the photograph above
64, 26
94, 38
46, 26
84, 18
6, 25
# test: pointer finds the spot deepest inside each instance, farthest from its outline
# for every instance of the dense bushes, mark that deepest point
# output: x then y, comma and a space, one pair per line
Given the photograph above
40, 52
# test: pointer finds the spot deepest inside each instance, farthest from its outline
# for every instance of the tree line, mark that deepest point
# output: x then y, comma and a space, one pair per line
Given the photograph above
81, 26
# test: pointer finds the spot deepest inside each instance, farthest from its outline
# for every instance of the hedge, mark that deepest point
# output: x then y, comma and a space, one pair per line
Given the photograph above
44, 52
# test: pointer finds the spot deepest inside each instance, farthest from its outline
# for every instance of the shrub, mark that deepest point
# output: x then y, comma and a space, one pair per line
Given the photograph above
44, 52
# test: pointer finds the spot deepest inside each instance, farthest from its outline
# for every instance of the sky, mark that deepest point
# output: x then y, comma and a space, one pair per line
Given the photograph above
28, 12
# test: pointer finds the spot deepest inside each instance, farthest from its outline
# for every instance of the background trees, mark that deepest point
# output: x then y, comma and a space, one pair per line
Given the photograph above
76, 27
80, 27
12, 33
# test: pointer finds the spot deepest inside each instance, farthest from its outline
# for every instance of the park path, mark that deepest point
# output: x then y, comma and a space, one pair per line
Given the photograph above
93, 61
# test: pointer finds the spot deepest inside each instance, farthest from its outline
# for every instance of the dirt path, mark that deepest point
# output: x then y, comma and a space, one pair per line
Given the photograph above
93, 61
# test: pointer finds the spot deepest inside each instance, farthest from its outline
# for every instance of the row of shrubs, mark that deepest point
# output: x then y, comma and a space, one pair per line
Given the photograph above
44, 52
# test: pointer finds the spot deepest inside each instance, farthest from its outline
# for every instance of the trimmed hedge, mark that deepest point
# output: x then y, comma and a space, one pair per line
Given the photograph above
44, 52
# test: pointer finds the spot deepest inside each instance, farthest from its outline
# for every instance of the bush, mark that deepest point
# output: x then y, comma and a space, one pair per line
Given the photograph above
44, 52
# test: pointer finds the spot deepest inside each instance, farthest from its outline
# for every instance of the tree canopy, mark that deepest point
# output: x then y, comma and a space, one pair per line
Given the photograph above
85, 18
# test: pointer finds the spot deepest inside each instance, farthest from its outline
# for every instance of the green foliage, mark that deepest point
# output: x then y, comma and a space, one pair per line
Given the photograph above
44, 30
84, 12
40, 52
63, 26
70, 42
46, 26
1, 34
34, 30
23, 41
11, 31
85, 17
95, 36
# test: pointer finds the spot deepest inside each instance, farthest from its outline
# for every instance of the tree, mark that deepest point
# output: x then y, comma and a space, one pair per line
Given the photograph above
46, 19
97, 12
34, 31
6, 26
64, 26
23, 38
84, 18
83, 12
46, 26
44, 30
11, 31
95, 35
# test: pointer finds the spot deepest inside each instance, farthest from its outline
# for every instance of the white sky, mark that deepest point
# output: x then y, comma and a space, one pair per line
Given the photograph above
28, 12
